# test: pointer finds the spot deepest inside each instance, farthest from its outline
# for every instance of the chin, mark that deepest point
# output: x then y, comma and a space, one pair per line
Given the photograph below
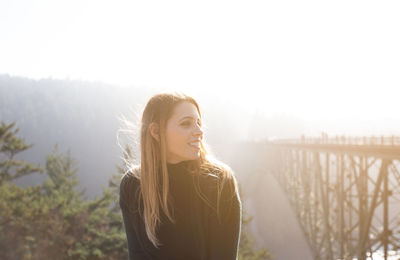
193, 157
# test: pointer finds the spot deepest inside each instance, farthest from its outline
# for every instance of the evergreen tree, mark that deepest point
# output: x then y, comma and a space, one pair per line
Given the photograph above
246, 246
10, 146
52, 221
15, 201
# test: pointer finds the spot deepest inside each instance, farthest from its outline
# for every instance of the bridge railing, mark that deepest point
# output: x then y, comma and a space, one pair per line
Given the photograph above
344, 140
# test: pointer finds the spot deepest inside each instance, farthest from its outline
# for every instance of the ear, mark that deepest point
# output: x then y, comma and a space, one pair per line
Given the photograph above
154, 131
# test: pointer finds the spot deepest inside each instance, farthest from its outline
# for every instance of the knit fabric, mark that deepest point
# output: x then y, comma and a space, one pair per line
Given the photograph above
197, 233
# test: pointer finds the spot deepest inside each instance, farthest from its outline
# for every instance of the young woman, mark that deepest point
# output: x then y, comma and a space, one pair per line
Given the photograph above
179, 203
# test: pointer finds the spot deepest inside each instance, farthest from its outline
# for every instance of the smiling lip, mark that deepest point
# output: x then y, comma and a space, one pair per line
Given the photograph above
197, 146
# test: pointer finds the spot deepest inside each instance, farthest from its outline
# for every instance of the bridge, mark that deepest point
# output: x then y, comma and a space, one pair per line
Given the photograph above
345, 192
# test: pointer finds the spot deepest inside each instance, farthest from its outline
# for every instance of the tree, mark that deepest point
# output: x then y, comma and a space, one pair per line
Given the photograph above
52, 221
246, 246
10, 146
15, 201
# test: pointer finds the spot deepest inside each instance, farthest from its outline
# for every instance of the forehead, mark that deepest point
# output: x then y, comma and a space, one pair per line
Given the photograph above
185, 109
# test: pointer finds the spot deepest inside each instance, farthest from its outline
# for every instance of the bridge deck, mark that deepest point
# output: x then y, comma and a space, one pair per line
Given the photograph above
375, 150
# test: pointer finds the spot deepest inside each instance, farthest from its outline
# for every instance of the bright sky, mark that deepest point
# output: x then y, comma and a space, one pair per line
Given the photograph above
311, 59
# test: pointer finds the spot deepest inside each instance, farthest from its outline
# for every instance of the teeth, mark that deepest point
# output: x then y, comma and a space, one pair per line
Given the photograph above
195, 144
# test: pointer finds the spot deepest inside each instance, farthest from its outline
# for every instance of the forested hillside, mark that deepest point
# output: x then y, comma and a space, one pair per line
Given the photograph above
79, 116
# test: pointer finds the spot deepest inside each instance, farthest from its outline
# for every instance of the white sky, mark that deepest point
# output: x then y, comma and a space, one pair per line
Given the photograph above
311, 59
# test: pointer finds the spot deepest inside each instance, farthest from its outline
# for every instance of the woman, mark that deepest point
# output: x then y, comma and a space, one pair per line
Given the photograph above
179, 203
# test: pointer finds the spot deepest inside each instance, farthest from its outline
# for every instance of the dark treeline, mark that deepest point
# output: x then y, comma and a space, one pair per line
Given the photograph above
54, 219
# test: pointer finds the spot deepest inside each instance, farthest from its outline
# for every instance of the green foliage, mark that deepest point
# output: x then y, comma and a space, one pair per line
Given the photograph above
10, 145
246, 246
52, 221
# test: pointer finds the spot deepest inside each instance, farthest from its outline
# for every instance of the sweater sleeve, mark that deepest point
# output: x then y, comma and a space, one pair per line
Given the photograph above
130, 214
224, 232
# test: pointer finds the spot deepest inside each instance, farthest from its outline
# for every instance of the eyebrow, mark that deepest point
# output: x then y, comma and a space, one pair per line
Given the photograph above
191, 117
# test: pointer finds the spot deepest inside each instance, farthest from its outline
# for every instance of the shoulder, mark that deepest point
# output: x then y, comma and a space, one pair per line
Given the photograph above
221, 189
217, 171
218, 178
129, 186
131, 177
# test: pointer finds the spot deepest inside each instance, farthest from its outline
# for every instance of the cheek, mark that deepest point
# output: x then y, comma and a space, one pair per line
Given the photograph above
176, 137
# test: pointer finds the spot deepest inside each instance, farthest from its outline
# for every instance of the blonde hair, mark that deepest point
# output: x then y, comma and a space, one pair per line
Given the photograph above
152, 170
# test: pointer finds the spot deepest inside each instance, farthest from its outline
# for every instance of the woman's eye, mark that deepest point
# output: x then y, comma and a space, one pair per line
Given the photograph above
188, 123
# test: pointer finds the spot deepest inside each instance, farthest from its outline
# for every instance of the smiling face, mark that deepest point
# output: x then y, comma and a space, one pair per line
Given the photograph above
183, 133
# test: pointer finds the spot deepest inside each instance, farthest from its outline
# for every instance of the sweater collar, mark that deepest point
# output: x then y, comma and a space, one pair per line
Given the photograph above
179, 167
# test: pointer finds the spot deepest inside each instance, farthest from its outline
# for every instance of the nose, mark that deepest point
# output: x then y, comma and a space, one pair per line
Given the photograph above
198, 131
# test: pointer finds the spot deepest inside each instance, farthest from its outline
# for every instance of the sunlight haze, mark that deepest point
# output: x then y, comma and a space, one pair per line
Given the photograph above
310, 59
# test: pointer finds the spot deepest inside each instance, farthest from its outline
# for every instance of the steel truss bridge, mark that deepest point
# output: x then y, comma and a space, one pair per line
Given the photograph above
345, 192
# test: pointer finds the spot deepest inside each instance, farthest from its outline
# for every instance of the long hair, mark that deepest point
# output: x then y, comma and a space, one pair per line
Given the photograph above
152, 170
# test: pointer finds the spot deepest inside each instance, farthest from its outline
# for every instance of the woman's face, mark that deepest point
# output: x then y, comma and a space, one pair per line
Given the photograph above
183, 133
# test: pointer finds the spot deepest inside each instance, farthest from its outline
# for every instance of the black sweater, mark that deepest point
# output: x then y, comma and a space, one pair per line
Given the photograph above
197, 233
